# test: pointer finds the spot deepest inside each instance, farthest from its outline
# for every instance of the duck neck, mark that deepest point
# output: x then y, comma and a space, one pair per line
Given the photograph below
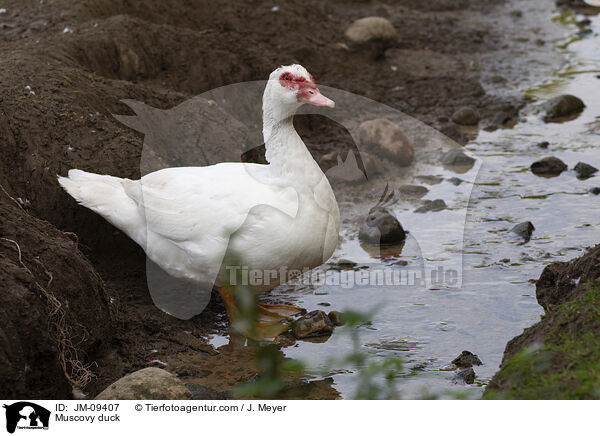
285, 150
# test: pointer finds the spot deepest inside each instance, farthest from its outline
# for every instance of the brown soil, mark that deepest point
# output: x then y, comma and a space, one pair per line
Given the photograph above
163, 53
569, 321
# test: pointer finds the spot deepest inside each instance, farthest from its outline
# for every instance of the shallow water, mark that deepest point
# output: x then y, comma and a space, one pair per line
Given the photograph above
429, 326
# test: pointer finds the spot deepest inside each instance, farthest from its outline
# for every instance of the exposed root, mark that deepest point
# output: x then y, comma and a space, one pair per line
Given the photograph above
11, 197
77, 373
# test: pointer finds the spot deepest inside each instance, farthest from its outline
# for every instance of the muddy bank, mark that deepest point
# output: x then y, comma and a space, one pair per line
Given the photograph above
64, 70
557, 358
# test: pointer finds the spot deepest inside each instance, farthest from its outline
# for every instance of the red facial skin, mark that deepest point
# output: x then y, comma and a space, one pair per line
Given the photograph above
288, 80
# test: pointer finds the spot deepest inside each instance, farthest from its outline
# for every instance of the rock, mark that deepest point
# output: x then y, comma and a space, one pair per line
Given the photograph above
381, 228
455, 181
348, 170
543, 144
457, 157
200, 392
432, 206
562, 106
336, 317
313, 324
524, 230
550, 166
284, 340
585, 171
431, 180
347, 264
466, 375
467, 360
387, 138
595, 191
373, 35
416, 191
466, 116
584, 23
516, 13
147, 384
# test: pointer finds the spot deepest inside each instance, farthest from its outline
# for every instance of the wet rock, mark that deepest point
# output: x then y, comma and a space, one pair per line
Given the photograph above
432, 206
455, 181
595, 191
147, 384
415, 191
584, 23
345, 263
543, 144
562, 106
336, 317
466, 116
467, 360
313, 324
585, 171
386, 137
431, 180
457, 157
381, 228
284, 340
466, 375
551, 166
200, 392
524, 230
372, 35
516, 13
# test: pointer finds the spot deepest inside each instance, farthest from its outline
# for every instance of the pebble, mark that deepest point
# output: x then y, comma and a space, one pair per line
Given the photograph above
524, 230
432, 206
373, 35
466, 359
336, 317
543, 144
466, 375
381, 135
284, 340
455, 181
457, 157
548, 166
313, 324
466, 116
565, 105
381, 228
146, 384
585, 171
413, 190
595, 191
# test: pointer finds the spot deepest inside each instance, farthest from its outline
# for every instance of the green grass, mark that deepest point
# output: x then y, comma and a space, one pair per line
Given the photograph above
566, 364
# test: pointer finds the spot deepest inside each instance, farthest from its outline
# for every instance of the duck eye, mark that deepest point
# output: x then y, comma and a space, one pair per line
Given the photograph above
287, 78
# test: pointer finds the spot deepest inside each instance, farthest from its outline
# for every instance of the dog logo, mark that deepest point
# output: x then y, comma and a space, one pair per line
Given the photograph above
26, 415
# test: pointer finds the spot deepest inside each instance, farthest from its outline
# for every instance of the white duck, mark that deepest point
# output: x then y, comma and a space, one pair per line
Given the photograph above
193, 221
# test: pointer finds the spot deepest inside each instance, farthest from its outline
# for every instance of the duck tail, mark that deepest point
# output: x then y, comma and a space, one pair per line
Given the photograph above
103, 194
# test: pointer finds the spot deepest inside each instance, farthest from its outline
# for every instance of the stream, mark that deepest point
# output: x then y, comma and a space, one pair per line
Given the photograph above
429, 326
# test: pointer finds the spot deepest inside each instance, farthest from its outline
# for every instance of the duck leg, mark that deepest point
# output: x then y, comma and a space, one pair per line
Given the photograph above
260, 325
280, 311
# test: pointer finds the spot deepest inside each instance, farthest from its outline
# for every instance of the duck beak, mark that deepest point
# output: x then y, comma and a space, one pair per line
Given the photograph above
317, 99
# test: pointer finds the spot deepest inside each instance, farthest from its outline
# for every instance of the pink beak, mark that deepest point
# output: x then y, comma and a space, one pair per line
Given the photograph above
317, 99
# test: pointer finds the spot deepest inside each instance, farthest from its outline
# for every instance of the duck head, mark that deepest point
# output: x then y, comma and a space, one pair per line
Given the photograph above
290, 87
